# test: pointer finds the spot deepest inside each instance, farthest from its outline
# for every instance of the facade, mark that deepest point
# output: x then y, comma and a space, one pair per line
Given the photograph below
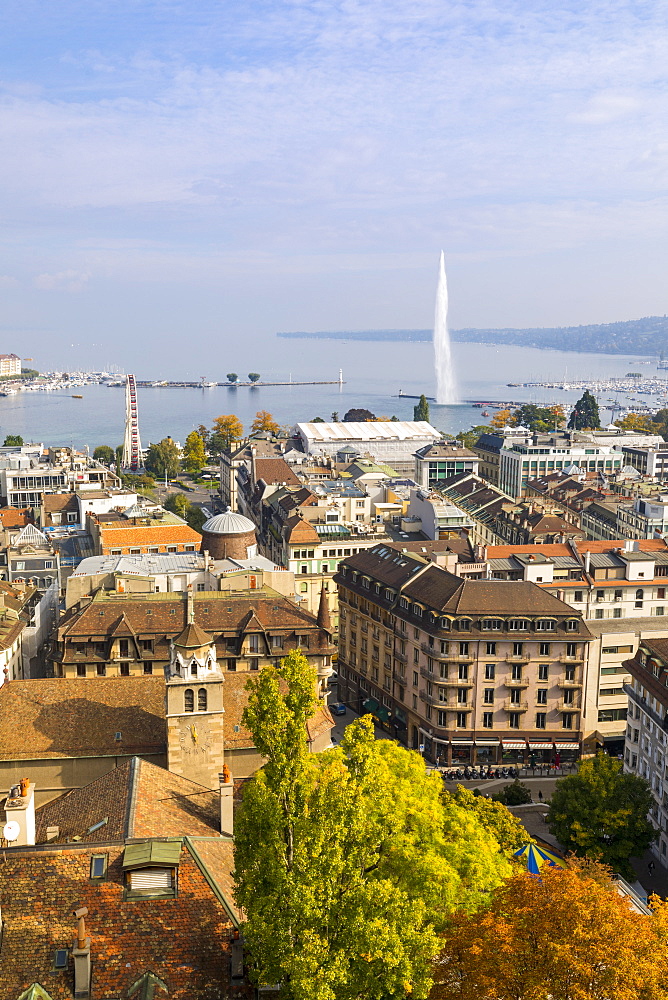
442, 460
28, 472
10, 364
430, 514
647, 731
392, 442
652, 462
32, 558
470, 670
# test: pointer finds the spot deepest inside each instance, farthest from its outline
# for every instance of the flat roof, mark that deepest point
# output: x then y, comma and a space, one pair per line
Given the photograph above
372, 430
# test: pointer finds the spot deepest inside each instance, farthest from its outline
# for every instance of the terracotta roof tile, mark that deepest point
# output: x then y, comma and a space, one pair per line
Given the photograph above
275, 470
169, 534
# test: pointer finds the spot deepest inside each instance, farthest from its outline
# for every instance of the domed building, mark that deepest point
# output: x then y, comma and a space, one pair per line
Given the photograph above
229, 536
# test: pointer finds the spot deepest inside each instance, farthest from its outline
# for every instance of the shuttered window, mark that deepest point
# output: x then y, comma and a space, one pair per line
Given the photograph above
151, 880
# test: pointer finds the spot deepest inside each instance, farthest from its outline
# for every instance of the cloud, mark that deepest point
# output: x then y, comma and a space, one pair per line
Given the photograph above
67, 281
7, 281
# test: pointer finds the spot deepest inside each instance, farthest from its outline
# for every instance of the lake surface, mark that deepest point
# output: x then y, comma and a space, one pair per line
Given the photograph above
374, 372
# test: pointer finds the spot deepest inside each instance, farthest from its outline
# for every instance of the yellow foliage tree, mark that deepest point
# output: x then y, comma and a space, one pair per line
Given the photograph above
264, 422
501, 418
226, 429
636, 422
567, 935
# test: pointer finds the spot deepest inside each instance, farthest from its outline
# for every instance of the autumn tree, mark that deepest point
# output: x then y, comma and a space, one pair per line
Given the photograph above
601, 813
347, 861
163, 459
226, 429
502, 418
103, 453
496, 818
567, 935
584, 415
636, 422
264, 423
194, 455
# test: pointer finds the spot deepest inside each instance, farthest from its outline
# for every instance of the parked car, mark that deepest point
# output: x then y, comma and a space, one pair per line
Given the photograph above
338, 708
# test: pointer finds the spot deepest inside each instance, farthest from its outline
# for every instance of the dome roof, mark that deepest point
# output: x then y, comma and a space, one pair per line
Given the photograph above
228, 523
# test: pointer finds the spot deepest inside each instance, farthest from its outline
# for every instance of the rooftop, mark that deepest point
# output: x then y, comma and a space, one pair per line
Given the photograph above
376, 430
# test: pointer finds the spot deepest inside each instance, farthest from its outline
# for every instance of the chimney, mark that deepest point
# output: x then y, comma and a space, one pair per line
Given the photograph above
587, 560
81, 956
20, 809
226, 801
206, 560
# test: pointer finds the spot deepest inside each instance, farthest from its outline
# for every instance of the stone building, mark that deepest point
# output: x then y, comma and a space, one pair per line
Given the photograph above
229, 536
470, 670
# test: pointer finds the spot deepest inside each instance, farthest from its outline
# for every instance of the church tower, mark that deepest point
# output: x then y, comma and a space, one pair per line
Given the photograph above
195, 735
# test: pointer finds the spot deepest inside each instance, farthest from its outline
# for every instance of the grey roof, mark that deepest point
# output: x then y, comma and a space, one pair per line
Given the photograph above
143, 565
228, 523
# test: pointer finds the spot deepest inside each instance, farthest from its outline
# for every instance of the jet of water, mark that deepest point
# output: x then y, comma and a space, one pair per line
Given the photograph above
446, 384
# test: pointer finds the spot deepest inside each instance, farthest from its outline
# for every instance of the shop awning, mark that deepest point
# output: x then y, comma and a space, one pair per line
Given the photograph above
539, 746
514, 744
566, 746
462, 743
370, 705
486, 743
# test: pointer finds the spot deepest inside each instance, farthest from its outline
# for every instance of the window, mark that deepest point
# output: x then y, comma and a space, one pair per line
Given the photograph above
81, 669
490, 670
544, 649
116, 552
518, 648
201, 700
514, 720
515, 696
101, 670
487, 720
617, 612
171, 548
489, 696
61, 960
541, 696
463, 649
463, 671
567, 721
124, 669
461, 720
571, 624
147, 645
442, 718
491, 649
189, 700
577, 596
540, 720
545, 625
135, 552
661, 593
518, 625
148, 668
98, 866
491, 624
277, 641
151, 882
516, 672
462, 696
543, 671
598, 613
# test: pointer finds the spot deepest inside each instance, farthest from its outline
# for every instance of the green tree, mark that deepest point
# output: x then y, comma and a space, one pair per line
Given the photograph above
103, 453
469, 438
601, 813
231, 376
536, 418
13, 440
163, 459
514, 794
226, 429
347, 861
357, 415
179, 504
317, 420
253, 376
119, 458
421, 411
194, 455
496, 818
584, 415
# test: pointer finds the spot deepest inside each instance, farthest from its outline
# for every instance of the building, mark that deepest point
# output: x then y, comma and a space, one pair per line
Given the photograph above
651, 462
391, 442
27, 472
121, 888
469, 670
482, 503
647, 730
10, 364
31, 557
535, 522
138, 531
128, 635
442, 460
432, 515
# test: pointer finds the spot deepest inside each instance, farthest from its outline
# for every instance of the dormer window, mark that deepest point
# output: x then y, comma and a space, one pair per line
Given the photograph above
518, 625
417, 610
491, 624
572, 624
545, 625
150, 869
464, 625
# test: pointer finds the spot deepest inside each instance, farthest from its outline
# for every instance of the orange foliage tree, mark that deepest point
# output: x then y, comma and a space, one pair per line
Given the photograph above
502, 418
566, 935
264, 422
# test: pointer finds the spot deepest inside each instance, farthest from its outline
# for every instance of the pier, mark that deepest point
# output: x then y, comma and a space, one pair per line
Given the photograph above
228, 385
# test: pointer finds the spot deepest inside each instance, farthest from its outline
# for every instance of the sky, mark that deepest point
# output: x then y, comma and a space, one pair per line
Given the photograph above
188, 176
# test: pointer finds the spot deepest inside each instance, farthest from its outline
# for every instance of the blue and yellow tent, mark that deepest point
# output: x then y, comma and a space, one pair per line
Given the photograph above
537, 857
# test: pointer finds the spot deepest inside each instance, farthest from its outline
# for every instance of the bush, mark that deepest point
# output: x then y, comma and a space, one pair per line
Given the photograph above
516, 794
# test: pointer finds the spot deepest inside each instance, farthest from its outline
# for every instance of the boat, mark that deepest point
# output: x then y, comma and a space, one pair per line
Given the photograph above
75, 396
513, 384
485, 413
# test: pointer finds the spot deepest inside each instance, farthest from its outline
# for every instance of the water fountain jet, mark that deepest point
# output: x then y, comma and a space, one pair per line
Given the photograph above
446, 384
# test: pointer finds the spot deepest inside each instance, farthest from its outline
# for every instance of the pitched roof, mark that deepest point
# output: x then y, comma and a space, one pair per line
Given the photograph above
235, 699
138, 799
166, 534
275, 470
299, 530
547, 549
193, 637
72, 717
12, 517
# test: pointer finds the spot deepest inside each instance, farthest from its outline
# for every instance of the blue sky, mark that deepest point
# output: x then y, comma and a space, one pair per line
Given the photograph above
197, 175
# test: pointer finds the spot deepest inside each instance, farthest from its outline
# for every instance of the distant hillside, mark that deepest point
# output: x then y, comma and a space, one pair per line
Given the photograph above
635, 336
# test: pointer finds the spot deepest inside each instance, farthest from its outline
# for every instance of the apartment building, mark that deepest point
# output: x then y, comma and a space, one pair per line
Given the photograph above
28, 472
138, 531
10, 364
467, 670
440, 461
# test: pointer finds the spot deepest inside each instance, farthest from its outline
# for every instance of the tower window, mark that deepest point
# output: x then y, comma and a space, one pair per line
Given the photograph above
201, 700
189, 700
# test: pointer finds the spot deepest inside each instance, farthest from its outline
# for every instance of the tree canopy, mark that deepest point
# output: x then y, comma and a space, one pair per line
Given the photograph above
13, 439
194, 454
103, 453
347, 861
494, 816
421, 411
567, 935
637, 422
226, 429
253, 376
584, 415
538, 418
601, 813
264, 423
163, 459
179, 504
358, 416
231, 376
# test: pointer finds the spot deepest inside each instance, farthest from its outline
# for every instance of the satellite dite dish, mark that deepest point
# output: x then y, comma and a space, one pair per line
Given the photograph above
11, 830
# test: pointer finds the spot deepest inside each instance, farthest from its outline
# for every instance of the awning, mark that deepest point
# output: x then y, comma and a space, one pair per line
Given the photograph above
514, 744
539, 746
486, 743
399, 723
462, 743
370, 705
566, 746
158, 853
382, 713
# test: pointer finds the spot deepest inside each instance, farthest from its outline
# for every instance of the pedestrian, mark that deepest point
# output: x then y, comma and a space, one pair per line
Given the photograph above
540, 795
650, 867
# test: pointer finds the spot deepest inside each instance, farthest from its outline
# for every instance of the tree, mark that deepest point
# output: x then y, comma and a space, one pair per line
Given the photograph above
317, 420
231, 376
496, 818
264, 423
502, 418
421, 411
103, 453
601, 813
205, 434
358, 416
226, 429
536, 418
515, 794
584, 415
119, 457
469, 438
13, 440
162, 459
194, 455
253, 376
179, 504
567, 935
636, 422
347, 860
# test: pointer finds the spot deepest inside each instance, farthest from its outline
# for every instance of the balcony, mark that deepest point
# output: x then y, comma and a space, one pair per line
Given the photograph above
451, 705
433, 651
515, 706
567, 706
571, 659
569, 685
401, 657
514, 682
517, 658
